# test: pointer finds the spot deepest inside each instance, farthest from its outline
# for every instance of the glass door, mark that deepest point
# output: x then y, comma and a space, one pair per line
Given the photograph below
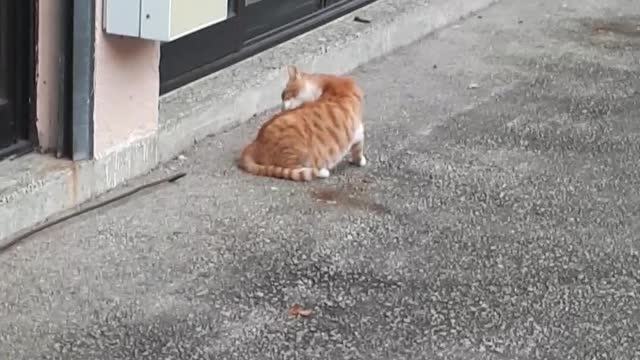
199, 49
264, 16
252, 26
16, 80
8, 133
247, 21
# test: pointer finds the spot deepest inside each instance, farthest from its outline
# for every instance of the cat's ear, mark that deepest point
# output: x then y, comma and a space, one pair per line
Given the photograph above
294, 74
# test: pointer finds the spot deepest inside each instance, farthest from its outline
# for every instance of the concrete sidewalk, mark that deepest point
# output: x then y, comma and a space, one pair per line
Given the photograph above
498, 219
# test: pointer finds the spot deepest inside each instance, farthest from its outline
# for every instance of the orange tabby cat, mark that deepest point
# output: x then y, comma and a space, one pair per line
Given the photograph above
320, 123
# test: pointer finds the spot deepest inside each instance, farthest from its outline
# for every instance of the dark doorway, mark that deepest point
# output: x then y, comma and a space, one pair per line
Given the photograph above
252, 26
16, 76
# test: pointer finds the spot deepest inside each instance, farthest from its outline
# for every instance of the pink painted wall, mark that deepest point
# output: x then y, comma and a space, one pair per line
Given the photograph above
47, 74
127, 85
126, 88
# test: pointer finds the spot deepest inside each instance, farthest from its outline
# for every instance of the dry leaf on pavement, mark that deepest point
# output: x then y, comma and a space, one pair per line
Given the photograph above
298, 311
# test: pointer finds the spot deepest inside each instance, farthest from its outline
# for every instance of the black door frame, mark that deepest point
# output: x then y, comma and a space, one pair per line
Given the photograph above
18, 128
248, 31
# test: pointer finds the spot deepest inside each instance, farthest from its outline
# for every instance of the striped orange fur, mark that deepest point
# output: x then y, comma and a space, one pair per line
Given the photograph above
320, 123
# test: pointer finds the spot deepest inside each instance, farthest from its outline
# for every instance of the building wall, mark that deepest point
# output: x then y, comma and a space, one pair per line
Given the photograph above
127, 87
47, 73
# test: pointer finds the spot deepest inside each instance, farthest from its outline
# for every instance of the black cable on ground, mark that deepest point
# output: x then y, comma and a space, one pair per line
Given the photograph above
46, 225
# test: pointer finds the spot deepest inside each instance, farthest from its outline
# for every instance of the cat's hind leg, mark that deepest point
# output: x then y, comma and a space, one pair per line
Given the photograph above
357, 149
357, 154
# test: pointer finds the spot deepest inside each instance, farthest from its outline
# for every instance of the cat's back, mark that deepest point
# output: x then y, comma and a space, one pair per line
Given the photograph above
285, 124
328, 124
330, 119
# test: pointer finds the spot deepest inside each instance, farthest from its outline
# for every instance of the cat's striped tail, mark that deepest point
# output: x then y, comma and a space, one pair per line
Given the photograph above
296, 174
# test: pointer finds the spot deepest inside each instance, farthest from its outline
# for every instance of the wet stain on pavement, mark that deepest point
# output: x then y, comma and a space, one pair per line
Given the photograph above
349, 196
629, 28
619, 32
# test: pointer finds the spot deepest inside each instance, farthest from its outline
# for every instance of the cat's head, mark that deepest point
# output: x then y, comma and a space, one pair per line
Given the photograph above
300, 88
